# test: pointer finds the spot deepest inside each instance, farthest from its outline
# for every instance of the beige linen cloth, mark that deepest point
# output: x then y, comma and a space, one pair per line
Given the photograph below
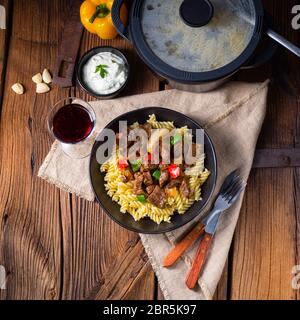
233, 116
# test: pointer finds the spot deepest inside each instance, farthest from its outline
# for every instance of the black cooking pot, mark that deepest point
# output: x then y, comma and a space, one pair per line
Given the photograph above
197, 45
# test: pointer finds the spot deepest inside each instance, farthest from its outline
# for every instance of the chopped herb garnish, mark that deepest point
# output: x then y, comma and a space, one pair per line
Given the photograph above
101, 69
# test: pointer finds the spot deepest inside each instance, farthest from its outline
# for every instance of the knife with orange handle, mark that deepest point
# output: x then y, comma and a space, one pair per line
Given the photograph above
229, 193
183, 245
199, 260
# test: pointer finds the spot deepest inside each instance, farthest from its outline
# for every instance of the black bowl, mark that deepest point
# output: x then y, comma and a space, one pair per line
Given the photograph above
84, 60
146, 225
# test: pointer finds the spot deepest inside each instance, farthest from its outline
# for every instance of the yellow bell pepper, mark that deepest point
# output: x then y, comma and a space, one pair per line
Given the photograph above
173, 192
96, 17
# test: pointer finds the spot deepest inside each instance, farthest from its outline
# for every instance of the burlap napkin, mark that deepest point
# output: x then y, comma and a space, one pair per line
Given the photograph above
233, 117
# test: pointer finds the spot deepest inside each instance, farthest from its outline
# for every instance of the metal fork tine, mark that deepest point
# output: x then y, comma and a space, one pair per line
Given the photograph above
231, 187
228, 181
226, 189
234, 190
238, 192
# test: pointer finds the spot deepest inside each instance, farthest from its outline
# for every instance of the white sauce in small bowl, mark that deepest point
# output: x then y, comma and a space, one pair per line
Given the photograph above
113, 77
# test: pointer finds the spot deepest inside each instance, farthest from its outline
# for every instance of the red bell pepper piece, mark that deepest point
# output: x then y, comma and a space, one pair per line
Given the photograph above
174, 171
123, 164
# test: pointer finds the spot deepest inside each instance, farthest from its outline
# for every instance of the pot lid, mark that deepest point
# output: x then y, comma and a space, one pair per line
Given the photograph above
198, 35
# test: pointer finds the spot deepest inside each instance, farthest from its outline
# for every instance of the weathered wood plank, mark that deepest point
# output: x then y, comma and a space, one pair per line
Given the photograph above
5, 17
160, 295
266, 243
277, 158
222, 289
4, 37
266, 238
29, 208
142, 285
68, 47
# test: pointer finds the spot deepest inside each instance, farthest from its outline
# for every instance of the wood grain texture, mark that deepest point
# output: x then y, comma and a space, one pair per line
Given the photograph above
266, 241
6, 9
30, 230
57, 246
277, 158
222, 291
266, 244
68, 47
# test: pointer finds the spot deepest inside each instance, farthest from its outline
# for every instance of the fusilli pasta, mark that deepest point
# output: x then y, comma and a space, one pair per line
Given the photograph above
123, 192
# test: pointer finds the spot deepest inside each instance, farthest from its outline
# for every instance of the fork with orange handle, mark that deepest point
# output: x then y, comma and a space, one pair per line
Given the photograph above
230, 191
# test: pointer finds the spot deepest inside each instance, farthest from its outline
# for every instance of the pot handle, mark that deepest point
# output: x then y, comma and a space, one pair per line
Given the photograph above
284, 42
115, 14
262, 57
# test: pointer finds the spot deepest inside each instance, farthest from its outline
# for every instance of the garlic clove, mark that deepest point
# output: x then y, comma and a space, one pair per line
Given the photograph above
47, 78
37, 78
42, 88
18, 88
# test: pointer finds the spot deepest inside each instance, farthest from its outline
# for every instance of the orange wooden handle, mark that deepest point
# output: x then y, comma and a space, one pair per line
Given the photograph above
181, 247
199, 261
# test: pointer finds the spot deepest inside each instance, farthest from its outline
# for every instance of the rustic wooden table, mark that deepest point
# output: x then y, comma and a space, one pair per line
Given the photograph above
57, 246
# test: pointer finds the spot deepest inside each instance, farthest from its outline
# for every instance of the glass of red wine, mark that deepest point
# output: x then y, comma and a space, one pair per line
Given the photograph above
72, 121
